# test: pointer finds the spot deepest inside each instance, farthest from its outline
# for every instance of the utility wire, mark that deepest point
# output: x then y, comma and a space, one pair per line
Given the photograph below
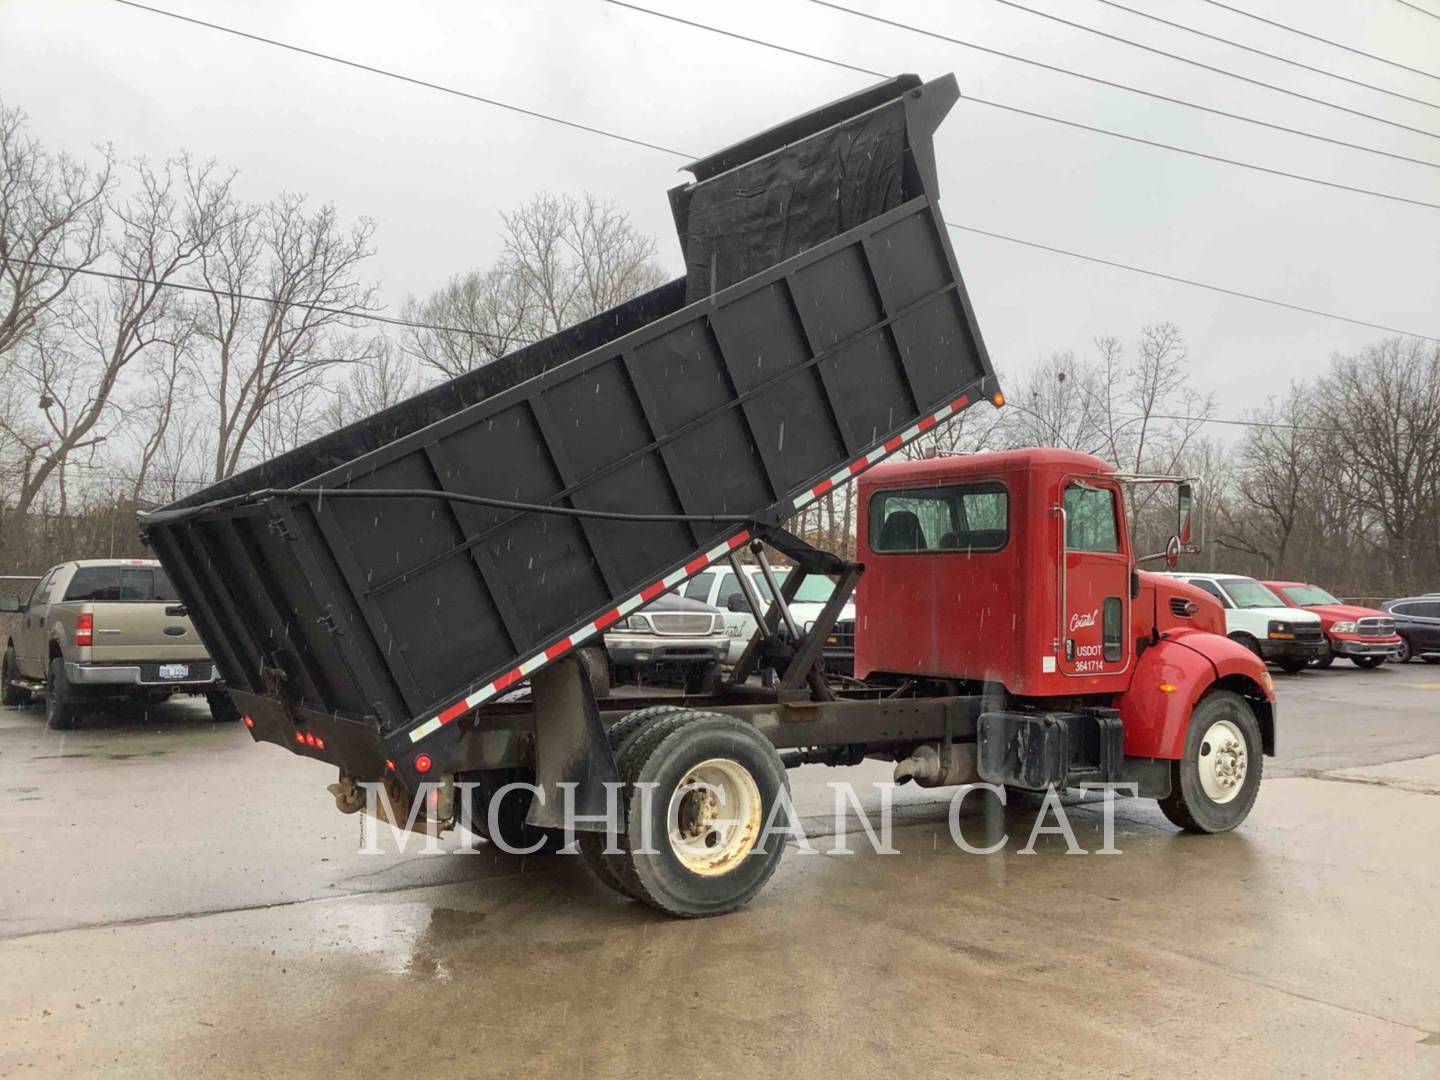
968, 228
1323, 40
1195, 284
1200, 154
1037, 115
207, 290
402, 78
1273, 56
1065, 71
1417, 7
1208, 67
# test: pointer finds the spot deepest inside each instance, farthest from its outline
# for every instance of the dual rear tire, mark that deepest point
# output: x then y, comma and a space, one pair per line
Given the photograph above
699, 790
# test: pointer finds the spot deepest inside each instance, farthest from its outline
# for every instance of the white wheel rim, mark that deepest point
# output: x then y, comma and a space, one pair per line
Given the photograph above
714, 817
1223, 762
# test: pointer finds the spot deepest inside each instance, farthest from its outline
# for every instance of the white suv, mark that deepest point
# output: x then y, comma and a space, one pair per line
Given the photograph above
718, 585
1262, 622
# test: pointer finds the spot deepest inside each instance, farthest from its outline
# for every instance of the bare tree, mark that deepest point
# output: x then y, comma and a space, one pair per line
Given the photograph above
488, 312
262, 353
73, 368
386, 378
52, 211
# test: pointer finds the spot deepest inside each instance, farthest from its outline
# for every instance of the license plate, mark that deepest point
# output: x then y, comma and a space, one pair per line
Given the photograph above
174, 671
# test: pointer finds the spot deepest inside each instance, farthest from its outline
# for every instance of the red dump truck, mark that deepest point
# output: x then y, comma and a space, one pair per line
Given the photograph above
377, 598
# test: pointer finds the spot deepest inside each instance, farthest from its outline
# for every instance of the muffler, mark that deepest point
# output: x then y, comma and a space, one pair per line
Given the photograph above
929, 767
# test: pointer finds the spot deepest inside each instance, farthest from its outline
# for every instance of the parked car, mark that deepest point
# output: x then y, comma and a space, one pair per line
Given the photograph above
674, 637
1366, 635
1254, 616
720, 587
1417, 621
101, 629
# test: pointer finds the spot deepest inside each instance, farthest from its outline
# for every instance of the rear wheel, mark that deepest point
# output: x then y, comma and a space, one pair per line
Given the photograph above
1432, 659
713, 783
1367, 661
61, 710
1214, 785
11, 694
592, 844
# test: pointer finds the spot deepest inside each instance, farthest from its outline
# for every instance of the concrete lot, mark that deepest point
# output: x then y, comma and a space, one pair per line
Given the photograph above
177, 901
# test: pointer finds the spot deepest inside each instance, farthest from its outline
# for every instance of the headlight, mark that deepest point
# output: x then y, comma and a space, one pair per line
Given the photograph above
1343, 627
635, 623
1281, 629
717, 624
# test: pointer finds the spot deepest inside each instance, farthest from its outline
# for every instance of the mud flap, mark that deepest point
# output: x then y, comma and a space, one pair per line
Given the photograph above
570, 748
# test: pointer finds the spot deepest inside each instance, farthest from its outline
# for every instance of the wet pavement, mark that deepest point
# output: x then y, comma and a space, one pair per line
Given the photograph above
177, 901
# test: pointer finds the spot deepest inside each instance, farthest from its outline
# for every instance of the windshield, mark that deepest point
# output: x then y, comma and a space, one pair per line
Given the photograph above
1305, 595
1249, 593
814, 590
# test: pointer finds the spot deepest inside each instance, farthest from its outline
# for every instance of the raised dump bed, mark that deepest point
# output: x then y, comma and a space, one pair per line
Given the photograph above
822, 324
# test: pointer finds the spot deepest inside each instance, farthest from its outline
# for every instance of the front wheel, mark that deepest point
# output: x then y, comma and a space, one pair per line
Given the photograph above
1293, 667
1367, 662
700, 790
1402, 654
1324, 660
11, 694
1214, 785
61, 711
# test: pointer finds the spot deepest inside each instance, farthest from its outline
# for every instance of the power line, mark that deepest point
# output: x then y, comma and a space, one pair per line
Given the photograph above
402, 78
1417, 7
1210, 67
1323, 40
1196, 284
1201, 154
1066, 71
1273, 56
184, 287
955, 225
1028, 112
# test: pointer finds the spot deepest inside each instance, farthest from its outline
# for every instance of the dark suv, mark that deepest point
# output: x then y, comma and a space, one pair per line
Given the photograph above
1417, 621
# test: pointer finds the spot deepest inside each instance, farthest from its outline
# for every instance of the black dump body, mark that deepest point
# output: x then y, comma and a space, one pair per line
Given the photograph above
821, 324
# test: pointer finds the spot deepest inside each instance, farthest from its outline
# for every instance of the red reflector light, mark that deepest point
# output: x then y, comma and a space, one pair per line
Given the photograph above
389, 764
319, 743
85, 629
300, 737
249, 721
423, 763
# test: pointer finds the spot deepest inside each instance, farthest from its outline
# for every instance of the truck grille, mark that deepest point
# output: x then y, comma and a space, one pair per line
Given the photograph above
1309, 632
1375, 627
682, 623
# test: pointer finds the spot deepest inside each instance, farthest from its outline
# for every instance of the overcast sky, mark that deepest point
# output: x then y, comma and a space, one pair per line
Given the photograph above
434, 171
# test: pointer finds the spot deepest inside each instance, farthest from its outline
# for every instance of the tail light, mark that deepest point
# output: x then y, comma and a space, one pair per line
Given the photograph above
85, 629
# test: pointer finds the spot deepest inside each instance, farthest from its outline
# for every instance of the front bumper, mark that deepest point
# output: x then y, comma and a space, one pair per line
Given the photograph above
1347, 646
1282, 649
653, 651
146, 675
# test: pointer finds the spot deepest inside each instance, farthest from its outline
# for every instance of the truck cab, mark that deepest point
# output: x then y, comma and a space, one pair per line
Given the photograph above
1014, 572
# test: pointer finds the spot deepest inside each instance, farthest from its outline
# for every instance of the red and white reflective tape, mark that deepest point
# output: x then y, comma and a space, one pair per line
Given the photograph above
884, 450
559, 648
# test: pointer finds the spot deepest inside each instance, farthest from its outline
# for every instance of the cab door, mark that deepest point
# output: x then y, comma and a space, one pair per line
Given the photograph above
32, 643
1094, 625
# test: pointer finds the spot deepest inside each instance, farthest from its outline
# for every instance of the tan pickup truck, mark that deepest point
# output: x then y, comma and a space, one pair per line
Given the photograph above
101, 629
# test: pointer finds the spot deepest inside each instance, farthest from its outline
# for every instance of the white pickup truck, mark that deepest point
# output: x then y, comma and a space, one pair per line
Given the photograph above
99, 629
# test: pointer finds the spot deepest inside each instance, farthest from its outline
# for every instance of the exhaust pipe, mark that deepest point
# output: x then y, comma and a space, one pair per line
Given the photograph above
929, 768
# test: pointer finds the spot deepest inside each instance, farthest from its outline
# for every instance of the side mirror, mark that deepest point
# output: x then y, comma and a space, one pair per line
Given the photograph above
9, 603
736, 602
1182, 524
1172, 552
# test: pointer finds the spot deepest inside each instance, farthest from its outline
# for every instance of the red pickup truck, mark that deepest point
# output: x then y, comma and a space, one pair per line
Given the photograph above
1366, 635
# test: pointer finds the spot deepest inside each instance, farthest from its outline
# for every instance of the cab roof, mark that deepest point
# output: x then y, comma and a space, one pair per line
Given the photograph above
955, 465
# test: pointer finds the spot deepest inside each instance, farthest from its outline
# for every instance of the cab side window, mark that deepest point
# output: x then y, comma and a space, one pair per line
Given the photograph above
1090, 523
699, 587
965, 518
